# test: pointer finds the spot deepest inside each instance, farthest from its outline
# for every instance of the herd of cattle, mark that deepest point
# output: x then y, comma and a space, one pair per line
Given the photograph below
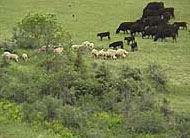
154, 22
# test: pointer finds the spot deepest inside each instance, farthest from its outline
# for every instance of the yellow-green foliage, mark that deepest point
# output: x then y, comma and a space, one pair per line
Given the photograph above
11, 110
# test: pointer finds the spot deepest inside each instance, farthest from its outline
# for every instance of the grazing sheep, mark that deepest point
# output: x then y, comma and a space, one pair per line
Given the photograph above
91, 46
76, 46
88, 45
95, 53
11, 57
85, 45
110, 55
123, 51
24, 57
5, 53
42, 49
101, 54
58, 50
120, 54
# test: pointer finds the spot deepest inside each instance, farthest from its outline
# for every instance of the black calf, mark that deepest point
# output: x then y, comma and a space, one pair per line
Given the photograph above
181, 24
104, 34
134, 46
116, 44
129, 39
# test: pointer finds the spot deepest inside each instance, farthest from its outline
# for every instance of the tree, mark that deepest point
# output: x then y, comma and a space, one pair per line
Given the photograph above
35, 30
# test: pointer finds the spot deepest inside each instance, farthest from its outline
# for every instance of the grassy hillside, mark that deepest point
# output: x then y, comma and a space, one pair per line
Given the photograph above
92, 16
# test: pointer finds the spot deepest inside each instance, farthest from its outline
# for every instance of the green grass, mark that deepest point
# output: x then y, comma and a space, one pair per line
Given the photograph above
9, 129
93, 16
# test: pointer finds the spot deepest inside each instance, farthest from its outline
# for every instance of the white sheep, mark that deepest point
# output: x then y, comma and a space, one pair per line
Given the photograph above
25, 57
76, 46
5, 53
101, 54
123, 51
94, 53
88, 45
91, 46
85, 43
120, 54
110, 55
11, 57
58, 50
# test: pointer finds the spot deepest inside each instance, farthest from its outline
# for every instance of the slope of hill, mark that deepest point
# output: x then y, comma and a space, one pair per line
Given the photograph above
84, 19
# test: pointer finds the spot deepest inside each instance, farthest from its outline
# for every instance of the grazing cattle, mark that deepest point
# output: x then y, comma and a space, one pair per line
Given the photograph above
152, 13
129, 39
153, 9
116, 44
155, 21
181, 24
154, 6
170, 10
169, 27
137, 28
150, 31
125, 27
105, 34
163, 33
134, 46
166, 15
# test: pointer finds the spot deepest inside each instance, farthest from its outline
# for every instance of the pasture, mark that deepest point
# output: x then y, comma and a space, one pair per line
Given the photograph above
94, 16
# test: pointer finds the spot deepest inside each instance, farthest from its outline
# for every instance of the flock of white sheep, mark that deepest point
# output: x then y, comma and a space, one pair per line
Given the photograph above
109, 54
101, 54
14, 57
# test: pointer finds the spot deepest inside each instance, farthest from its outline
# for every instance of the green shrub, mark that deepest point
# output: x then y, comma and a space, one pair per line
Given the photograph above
11, 110
158, 76
133, 73
36, 30
149, 122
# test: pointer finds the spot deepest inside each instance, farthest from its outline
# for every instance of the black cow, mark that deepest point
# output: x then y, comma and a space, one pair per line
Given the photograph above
129, 39
181, 24
170, 10
155, 21
150, 31
148, 12
169, 27
166, 15
163, 33
154, 6
134, 46
125, 26
104, 34
116, 44
138, 27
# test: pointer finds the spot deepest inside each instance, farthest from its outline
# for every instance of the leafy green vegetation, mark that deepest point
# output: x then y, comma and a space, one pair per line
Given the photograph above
73, 95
